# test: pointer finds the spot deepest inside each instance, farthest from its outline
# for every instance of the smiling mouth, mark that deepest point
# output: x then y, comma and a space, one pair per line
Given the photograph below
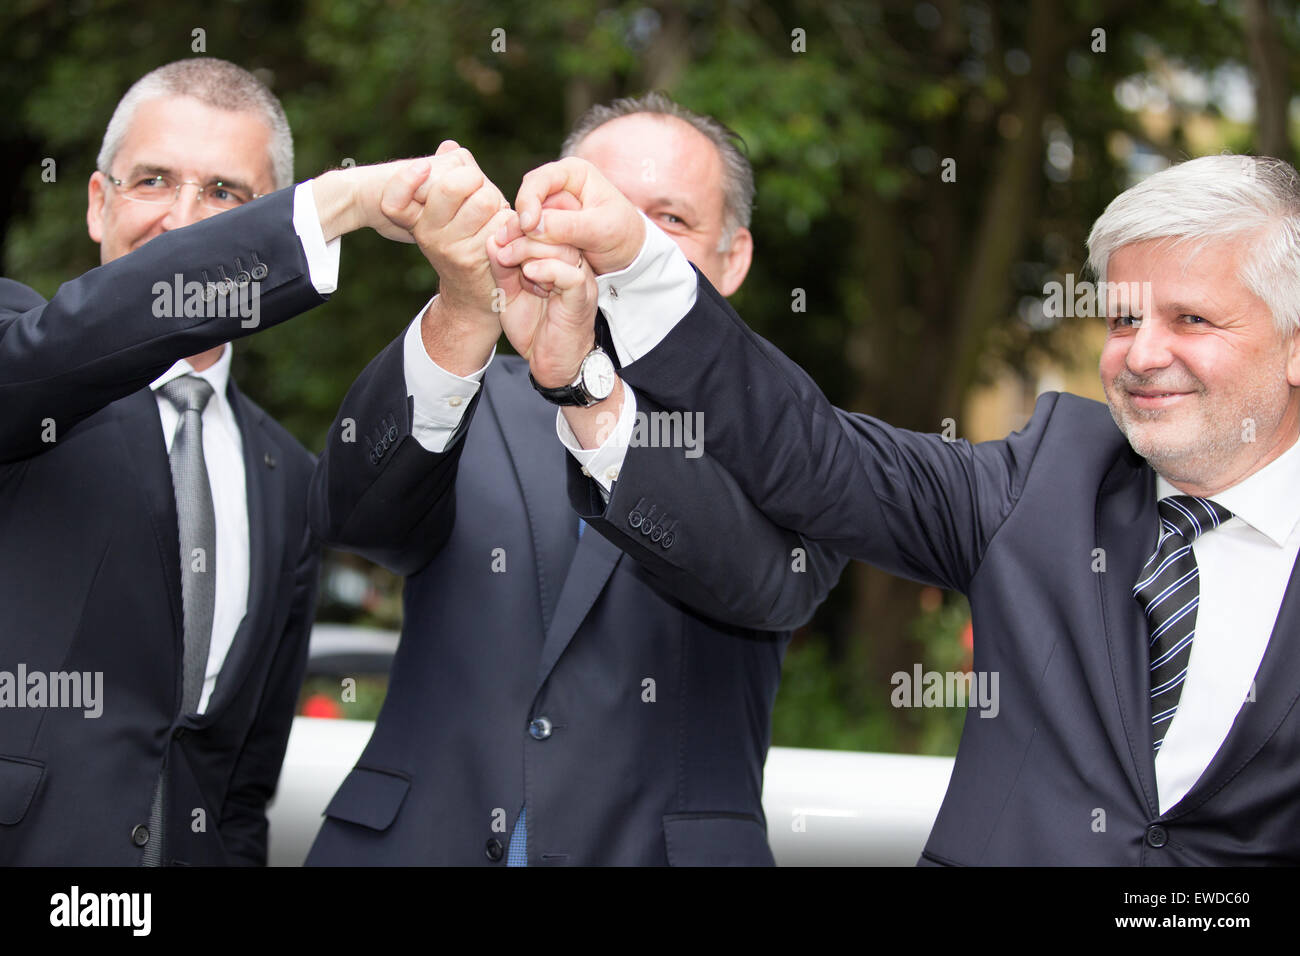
1155, 399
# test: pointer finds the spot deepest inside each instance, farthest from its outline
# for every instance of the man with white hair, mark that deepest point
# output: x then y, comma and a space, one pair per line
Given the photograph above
1135, 588
157, 575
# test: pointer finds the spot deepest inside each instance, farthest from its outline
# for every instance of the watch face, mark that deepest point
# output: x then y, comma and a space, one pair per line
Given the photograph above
598, 375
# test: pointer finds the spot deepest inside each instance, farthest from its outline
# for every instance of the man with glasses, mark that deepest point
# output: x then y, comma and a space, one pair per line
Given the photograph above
157, 576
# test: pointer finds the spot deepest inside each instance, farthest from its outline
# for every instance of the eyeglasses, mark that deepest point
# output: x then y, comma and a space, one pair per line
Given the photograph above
160, 190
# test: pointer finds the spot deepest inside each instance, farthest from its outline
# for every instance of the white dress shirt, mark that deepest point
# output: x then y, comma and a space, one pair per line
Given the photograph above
224, 456
439, 398
1245, 564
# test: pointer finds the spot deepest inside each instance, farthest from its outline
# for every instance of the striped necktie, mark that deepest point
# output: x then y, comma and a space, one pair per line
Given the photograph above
1169, 591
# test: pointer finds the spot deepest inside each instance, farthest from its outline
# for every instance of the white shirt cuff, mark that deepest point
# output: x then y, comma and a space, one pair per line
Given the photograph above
643, 302
605, 462
440, 397
322, 256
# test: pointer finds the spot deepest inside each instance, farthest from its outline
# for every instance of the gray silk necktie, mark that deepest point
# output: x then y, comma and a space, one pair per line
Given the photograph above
197, 524
197, 521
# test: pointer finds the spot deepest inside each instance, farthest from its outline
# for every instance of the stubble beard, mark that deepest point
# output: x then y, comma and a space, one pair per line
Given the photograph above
1202, 445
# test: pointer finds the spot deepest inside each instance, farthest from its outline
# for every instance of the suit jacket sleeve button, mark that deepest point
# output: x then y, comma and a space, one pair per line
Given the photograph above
140, 834
494, 850
656, 534
1157, 836
667, 542
634, 518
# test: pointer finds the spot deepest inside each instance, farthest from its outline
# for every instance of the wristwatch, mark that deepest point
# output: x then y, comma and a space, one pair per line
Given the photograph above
595, 382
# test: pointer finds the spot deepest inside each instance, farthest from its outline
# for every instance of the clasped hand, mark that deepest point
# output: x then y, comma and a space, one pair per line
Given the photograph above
528, 271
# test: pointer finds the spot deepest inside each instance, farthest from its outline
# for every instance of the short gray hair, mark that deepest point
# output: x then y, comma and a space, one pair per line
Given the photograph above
1217, 197
737, 174
218, 84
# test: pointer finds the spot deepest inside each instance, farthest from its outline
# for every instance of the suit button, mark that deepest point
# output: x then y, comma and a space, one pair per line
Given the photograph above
259, 271
667, 542
656, 534
539, 728
140, 835
647, 527
494, 850
392, 433
634, 519
1157, 836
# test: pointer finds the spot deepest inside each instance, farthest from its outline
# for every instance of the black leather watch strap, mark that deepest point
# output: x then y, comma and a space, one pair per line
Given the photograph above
565, 395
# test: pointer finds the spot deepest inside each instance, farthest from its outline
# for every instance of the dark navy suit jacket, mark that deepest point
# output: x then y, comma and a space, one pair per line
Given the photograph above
657, 719
1045, 532
89, 561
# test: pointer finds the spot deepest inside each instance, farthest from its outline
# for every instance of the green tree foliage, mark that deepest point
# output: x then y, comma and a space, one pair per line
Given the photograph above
913, 282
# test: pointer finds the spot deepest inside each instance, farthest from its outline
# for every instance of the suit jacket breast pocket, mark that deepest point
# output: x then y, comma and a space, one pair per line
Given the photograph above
369, 798
19, 778
716, 839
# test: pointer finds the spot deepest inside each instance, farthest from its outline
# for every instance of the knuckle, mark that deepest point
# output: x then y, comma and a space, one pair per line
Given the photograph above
484, 202
447, 189
396, 214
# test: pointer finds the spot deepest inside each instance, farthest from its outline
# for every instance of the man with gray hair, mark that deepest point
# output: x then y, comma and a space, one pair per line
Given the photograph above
154, 548
1135, 588
551, 704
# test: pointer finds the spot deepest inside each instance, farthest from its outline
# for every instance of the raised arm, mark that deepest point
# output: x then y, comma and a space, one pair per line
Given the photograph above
385, 485
116, 328
914, 504
685, 520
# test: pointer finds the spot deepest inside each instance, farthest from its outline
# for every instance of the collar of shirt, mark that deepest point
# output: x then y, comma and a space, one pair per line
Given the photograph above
1266, 500
217, 375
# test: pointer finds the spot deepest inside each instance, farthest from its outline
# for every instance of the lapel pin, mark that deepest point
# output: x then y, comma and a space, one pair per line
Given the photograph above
269, 459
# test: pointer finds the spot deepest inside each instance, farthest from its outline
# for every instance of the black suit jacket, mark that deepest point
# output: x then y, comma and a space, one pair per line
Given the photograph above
89, 561
1045, 532
656, 718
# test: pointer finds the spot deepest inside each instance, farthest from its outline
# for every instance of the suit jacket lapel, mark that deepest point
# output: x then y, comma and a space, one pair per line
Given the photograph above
591, 568
571, 574
146, 453
1126, 531
527, 424
264, 486
1276, 689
